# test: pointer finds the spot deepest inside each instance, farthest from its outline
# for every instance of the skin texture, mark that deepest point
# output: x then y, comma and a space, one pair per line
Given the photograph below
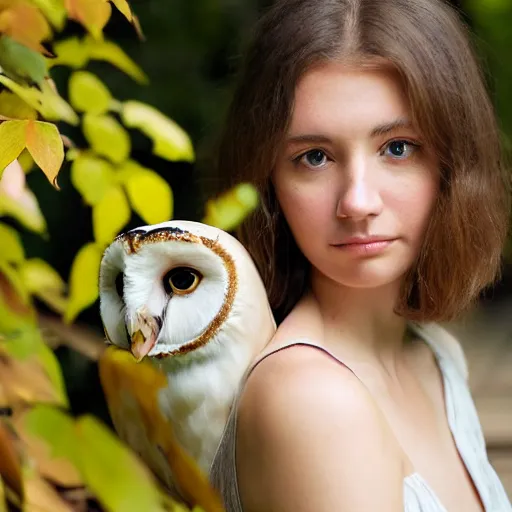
313, 434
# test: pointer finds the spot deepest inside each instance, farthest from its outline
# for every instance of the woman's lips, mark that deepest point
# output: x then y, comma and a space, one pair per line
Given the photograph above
366, 247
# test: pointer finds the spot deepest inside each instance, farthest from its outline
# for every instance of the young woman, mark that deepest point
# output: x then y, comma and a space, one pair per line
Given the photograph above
367, 128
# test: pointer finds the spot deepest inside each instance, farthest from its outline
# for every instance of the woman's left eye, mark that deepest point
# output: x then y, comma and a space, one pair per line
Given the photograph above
400, 149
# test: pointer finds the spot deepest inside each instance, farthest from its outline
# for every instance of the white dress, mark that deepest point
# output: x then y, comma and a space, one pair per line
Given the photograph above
462, 419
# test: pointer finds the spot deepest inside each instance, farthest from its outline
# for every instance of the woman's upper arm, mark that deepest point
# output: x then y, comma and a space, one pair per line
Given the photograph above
310, 439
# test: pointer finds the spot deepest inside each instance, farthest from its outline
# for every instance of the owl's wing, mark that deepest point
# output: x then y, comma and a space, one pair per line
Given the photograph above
131, 391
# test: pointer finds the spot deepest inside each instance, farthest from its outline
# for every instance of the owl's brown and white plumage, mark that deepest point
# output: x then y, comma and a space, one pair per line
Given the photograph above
187, 296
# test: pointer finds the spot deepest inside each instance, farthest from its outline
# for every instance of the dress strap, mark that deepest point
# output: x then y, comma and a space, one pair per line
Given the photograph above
444, 345
290, 343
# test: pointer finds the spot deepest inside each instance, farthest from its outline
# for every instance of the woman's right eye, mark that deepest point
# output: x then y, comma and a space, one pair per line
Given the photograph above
314, 158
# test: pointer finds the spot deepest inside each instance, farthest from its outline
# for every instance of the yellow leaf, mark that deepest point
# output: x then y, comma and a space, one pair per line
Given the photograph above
112, 472
124, 9
70, 52
12, 142
10, 242
110, 215
170, 141
44, 282
46, 148
55, 107
110, 52
92, 14
107, 137
46, 101
14, 107
88, 93
149, 194
54, 11
26, 161
83, 280
92, 177
227, 211
76, 54
25, 23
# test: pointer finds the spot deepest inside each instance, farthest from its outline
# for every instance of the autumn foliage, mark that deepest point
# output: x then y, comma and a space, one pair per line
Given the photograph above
50, 461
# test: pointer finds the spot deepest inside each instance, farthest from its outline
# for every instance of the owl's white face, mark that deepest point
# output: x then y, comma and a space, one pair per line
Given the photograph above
175, 287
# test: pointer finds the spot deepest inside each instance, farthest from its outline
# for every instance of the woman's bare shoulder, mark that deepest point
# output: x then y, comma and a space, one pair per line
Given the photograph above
311, 433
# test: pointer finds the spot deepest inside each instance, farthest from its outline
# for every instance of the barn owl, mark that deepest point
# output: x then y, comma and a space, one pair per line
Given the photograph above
188, 297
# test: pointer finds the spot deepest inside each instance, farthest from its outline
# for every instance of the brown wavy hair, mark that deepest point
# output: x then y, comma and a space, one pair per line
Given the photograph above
429, 45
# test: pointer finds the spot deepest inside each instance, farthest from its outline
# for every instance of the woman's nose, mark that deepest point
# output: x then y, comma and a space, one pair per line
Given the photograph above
359, 191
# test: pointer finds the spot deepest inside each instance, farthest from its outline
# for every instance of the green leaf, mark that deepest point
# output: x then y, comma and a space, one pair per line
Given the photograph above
227, 211
170, 141
149, 194
112, 472
45, 145
54, 11
10, 242
42, 280
110, 215
92, 177
107, 137
88, 93
21, 63
56, 429
46, 101
83, 281
12, 142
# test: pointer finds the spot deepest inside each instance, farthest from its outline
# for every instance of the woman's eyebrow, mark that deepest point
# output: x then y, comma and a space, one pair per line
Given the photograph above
377, 131
295, 139
397, 124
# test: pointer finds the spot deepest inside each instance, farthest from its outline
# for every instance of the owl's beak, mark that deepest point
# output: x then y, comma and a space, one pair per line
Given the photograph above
145, 333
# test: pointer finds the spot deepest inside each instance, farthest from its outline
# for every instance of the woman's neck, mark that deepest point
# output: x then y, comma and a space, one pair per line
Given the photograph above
363, 318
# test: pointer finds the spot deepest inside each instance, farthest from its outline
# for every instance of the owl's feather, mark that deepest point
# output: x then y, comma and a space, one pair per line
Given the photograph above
131, 390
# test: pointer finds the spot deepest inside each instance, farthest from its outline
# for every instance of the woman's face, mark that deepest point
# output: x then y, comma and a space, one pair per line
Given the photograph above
354, 179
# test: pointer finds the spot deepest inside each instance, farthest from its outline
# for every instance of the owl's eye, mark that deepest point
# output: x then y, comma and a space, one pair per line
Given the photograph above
120, 284
181, 280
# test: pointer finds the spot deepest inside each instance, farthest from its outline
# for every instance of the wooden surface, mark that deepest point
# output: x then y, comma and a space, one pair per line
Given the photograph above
486, 337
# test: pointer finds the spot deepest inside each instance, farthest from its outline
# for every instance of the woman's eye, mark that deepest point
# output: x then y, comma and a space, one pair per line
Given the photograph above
181, 280
400, 149
314, 158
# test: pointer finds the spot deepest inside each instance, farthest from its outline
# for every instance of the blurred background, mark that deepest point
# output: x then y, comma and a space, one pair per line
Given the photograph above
190, 54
